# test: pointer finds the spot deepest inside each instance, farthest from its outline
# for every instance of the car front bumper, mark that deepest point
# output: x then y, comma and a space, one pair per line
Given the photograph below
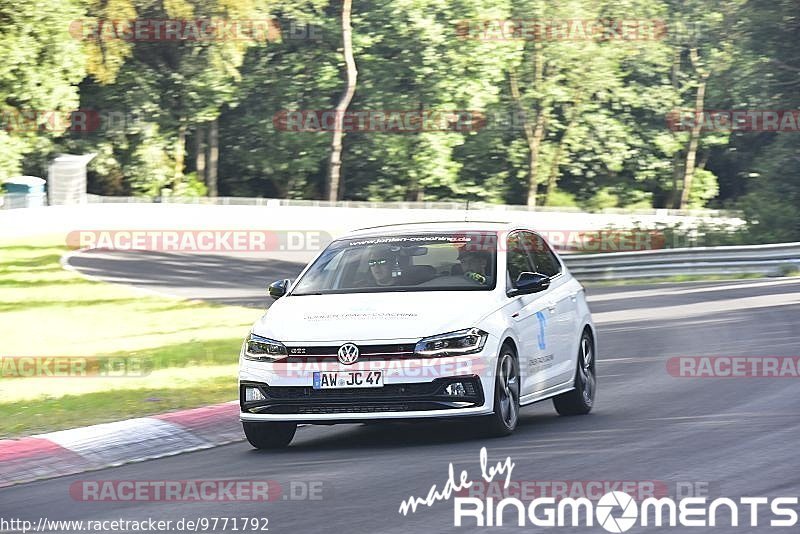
414, 388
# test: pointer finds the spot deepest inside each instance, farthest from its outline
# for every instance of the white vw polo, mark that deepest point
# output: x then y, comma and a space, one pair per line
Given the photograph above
417, 321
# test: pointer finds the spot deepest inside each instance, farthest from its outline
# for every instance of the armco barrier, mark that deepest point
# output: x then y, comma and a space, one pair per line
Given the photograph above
758, 259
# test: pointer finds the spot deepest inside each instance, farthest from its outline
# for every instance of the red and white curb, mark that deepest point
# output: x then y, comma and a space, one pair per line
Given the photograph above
110, 444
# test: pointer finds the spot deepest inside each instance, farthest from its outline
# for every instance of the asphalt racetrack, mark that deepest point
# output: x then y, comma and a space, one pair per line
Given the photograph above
729, 437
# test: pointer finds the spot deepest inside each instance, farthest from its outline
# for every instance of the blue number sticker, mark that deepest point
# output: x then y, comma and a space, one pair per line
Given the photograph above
542, 324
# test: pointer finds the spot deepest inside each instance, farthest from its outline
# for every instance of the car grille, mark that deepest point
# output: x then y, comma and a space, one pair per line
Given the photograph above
350, 408
366, 352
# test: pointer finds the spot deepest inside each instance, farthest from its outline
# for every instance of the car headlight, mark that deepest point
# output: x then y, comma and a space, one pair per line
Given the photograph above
467, 341
263, 349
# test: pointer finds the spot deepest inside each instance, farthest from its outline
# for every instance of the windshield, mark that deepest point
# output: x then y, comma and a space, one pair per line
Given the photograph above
416, 262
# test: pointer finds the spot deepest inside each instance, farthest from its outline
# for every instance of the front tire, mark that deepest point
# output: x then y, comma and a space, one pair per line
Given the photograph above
580, 400
269, 435
506, 395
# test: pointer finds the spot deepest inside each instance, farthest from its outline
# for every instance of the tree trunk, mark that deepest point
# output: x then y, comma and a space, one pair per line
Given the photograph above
677, 158
694, 139
200, 152
415, 192
534, 133
213, 158
335, 164
552, 179
533, 146
677, 177
180, 155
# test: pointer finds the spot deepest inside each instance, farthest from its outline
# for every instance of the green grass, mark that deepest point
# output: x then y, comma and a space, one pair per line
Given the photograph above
69, 411
189, 348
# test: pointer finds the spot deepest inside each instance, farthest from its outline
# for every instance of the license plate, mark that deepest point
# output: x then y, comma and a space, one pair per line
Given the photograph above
348, 379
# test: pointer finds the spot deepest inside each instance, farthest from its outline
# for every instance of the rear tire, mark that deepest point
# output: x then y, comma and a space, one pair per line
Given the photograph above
506, 395
580, 400
269, 435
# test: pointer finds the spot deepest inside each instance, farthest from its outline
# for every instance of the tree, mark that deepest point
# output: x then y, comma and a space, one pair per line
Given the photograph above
768, 78
41, 66
575, 88
175, 86
702, 47
554, 119
351, 74
416, 60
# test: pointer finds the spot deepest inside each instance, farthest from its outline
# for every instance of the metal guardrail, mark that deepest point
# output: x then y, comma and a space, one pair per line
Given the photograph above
773, 260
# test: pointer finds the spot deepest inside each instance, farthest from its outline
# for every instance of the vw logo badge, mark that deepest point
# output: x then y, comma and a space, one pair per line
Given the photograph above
348, 353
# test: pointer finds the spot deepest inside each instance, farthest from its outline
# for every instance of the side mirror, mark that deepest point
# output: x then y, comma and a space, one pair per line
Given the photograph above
528, 283
278, 288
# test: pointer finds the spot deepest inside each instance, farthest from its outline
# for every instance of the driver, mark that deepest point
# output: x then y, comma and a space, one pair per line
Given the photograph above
475, 266
381, 264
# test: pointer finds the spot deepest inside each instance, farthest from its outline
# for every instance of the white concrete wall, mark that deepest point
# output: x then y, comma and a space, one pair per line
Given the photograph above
29, 222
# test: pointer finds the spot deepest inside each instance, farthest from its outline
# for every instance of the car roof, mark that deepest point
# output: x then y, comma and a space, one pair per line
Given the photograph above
435, 226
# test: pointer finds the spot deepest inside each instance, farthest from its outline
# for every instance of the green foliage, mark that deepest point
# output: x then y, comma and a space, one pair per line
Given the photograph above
604, 102
562, 199
40, 64
707, 233
190, 187
704, 188
604, 198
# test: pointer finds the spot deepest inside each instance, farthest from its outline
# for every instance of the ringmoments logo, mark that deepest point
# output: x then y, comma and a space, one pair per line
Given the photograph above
615, 511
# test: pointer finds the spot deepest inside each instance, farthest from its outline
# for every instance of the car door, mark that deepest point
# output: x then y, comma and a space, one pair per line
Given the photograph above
529, 316
562, 309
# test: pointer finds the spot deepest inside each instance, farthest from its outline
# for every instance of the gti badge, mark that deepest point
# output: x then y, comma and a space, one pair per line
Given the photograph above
348, 353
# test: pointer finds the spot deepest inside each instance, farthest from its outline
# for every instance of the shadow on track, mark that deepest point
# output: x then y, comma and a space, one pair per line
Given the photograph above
409, 435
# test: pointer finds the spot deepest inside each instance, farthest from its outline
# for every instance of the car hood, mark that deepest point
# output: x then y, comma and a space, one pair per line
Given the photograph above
373, 316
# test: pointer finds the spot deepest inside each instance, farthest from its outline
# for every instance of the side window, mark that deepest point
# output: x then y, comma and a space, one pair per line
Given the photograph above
545, 262
516, 257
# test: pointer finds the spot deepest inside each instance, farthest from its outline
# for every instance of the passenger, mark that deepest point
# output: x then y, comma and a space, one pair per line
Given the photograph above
475, 266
